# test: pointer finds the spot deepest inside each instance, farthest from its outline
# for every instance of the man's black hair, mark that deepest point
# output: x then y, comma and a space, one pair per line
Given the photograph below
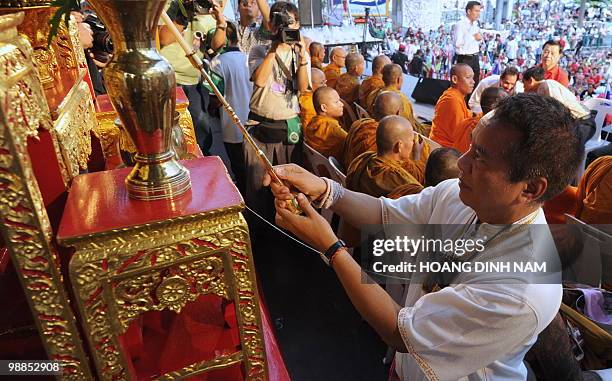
471, 4
536, 72
441, 165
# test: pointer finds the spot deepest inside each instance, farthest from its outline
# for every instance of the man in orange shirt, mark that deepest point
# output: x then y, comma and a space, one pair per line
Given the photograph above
374, 82
347, 84
307, 111
551, 54
336, 63
489, 97
451, 109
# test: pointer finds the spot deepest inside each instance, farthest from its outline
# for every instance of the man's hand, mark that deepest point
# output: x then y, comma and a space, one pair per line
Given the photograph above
296, 177
417, 148
310, 227
478, 36
217, 12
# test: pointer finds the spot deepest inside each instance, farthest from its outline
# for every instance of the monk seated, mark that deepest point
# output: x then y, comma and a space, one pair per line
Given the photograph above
337, 58
393, 77
373, 82
595, 193
307, 111
347, 84
324, 133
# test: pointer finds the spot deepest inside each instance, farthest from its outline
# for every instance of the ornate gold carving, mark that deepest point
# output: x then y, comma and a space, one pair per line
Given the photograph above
23, 3
65, 48
191, 370
25, 226
79, 53
186, 124
120, 274
73, 128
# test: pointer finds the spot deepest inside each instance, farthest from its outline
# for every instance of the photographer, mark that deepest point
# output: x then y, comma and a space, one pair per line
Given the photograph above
194, 25
279, 73
250, 34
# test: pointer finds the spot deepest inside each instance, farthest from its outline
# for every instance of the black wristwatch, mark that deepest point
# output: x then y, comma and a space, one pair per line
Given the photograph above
329, 253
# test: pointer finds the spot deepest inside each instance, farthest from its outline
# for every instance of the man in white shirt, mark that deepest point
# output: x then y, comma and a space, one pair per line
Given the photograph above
475, 328
534, 82
233, 67
467, 38
508, 80
511, 49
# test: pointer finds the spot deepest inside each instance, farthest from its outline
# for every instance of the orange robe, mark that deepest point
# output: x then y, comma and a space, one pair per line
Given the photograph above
406, 104
464, 133
347, 87
417, 167
332, 72
376, 176
450, 111
325, 135
307, 111
368, 85
595, 193
404, 190
564, 202
361, 138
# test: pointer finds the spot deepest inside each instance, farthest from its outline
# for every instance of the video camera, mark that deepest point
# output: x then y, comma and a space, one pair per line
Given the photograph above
102, 43
282, 20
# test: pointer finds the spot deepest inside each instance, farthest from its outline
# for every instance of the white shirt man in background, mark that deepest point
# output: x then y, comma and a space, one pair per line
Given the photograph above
508, 80
511, 49
467, 38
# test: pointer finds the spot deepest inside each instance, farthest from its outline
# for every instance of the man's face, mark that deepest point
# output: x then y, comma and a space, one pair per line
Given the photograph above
508, 83
550, 56
248, 9
334, 106
474, 13
530, 85
464, 80
484, 179
318, 81
360, 68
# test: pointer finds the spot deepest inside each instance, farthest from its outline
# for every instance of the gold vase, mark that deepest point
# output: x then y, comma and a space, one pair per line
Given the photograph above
141, 85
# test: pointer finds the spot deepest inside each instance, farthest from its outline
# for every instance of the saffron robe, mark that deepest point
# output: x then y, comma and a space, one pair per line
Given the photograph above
595, 193
449, 113
307, 111
347, 87
325, 135
332, 72
367, 86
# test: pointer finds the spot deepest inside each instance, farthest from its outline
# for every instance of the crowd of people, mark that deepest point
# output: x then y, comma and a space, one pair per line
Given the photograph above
501, 140
587, 50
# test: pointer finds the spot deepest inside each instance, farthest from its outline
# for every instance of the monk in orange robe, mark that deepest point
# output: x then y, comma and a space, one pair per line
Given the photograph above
307, 111
375, 81
565, 202
393, 77
324, 133
595, 193
362, 134
317, 55
347, 84
378, 173
336, 62
489, 97
451, 109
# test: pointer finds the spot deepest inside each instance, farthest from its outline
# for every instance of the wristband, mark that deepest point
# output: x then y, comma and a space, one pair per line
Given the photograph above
329, 254
222, 27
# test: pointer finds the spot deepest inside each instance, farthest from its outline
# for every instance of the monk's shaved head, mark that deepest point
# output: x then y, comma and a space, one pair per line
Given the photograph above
337, 56
462, 78
318, 78
490, 96
324, 95
352, 60
391, 130
380, 62
387, 103
392, 74
316, 48
441, 165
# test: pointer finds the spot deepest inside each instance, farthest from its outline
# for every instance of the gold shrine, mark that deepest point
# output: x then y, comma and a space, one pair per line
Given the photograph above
93, 262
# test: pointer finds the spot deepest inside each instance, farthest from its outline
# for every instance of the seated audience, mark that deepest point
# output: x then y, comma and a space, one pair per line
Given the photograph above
451, 109
375, 81
324, 133
336, 63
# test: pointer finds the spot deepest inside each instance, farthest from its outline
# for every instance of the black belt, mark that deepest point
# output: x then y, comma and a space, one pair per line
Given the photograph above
269, 131
467, 55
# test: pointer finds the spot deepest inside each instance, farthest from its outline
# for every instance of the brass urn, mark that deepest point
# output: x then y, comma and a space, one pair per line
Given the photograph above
141, 85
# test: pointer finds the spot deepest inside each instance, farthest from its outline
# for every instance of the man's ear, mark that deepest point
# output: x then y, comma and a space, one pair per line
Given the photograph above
323, 107
534, 190
397, 147
454, 79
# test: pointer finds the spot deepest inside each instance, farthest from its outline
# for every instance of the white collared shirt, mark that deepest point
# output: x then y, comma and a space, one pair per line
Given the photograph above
464, 40
556, 90
492, 80
478, 328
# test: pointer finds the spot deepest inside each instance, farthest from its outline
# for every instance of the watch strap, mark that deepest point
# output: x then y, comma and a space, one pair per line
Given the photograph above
329, 253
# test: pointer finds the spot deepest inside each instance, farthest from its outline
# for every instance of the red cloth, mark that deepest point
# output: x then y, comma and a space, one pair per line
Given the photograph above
558, 75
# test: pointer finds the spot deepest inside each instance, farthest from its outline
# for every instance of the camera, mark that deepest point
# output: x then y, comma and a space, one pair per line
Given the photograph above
282, 20
102, 43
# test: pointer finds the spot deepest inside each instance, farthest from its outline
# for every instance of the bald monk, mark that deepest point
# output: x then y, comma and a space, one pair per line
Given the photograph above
307, 111
462, 138
378, 173
362, 134
375, 81
595, 193
393, 77
336, 62
324, 133
347, 84
317, 55
451, 109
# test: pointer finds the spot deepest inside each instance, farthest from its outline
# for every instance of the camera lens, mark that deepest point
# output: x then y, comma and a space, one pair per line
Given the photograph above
198, 35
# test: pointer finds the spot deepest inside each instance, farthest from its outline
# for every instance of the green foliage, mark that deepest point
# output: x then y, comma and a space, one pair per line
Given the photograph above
63, 12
